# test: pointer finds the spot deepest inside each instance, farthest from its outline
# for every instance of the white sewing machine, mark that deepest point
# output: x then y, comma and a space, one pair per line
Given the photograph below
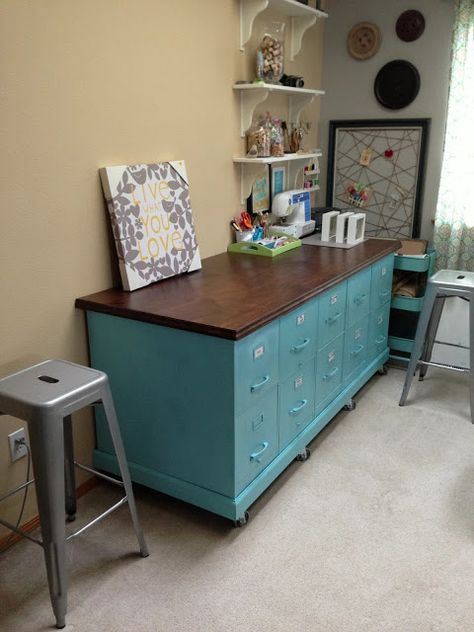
293, 208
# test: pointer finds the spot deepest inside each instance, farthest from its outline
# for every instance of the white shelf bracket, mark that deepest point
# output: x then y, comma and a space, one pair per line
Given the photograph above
297, 102
299, 26
295, 175
248, 174
249, 99
249, 9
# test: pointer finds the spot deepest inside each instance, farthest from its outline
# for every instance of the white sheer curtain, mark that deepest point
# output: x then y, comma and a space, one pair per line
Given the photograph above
454, 223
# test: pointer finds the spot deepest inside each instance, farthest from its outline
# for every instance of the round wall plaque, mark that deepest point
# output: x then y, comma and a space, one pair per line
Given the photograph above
397, 84
363, 40
410, 25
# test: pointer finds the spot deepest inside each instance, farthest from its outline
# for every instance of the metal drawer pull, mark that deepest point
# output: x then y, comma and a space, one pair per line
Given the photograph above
255, 455
297, 348
360, 299
357, 350
330, 375
296, 409
332, 319
380, 340
255, 387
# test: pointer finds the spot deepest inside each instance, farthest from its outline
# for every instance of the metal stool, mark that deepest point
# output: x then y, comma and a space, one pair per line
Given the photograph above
45, 396
442, 285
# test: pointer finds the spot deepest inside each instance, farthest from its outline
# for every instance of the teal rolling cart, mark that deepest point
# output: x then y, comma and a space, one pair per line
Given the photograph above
405, 311
222, 378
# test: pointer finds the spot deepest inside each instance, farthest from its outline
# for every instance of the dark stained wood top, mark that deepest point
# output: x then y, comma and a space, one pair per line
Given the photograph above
235, 294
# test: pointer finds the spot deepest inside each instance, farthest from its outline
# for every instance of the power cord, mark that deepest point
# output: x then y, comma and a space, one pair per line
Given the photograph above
25, 495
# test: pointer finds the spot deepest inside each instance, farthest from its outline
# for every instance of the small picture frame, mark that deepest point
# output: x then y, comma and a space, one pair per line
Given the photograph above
278, 180
328, 230
259, 200
356, 228
342, 225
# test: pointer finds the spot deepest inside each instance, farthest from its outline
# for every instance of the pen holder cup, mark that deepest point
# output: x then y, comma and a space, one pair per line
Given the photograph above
245, 235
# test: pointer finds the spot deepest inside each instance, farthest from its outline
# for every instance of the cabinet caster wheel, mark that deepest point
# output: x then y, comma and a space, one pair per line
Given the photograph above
383, 370
351, 405
240, 522
303, 456
71, 517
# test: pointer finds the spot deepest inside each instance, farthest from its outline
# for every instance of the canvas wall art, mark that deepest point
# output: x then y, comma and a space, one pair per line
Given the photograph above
152, 221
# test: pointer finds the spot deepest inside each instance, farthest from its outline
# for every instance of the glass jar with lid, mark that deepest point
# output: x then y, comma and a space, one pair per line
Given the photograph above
270, 53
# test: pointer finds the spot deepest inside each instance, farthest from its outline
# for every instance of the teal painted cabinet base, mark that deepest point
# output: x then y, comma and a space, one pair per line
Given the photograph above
234, 508
214, 421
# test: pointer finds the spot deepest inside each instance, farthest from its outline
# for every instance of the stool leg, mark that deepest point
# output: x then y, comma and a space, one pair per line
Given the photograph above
471, 358
114, 429
69, 474
419, 342
431, 334
47, 453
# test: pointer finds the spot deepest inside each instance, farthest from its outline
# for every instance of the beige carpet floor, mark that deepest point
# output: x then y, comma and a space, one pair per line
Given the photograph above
375, 533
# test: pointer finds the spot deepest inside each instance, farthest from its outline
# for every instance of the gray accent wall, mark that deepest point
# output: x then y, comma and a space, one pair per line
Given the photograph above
349, 83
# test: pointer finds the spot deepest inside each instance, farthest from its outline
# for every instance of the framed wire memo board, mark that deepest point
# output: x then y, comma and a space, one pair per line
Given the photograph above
378, 166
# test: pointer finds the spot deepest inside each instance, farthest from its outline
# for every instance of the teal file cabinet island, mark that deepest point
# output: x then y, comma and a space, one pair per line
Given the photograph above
222, 377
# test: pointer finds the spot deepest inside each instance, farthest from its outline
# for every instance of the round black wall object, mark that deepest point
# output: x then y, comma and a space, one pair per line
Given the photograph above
397, 84
410, 25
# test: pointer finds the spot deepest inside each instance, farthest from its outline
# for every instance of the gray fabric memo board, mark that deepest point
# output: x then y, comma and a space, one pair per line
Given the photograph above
384, 159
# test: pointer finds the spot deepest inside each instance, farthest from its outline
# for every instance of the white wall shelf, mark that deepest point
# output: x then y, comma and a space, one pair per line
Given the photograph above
251, 168
269, 160
252, 94
302, 18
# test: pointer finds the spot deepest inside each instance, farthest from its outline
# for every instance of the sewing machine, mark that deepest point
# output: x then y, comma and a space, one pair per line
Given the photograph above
293, 208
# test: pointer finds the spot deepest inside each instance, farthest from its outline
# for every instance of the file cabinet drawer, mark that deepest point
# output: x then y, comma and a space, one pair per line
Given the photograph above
256, 366
378, 331
332, 308
296, 403
256, 440
382, 273
358, 296
298, 338
355, 349
328, 372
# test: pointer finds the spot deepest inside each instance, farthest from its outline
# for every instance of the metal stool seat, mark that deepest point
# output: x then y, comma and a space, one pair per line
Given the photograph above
45, 396
442, 285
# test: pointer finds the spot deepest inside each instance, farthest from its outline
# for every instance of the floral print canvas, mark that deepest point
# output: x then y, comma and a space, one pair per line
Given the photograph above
152, 221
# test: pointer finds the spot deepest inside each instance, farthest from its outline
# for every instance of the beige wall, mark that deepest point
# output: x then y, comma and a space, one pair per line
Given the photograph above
93, 83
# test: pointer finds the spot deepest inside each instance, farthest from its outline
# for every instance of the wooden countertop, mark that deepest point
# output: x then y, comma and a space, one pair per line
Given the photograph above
234, 294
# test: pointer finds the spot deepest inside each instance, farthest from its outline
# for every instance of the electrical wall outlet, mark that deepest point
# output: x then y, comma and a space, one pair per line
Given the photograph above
17, 449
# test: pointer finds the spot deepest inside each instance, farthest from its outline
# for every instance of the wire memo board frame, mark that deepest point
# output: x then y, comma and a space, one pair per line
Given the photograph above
378, 167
